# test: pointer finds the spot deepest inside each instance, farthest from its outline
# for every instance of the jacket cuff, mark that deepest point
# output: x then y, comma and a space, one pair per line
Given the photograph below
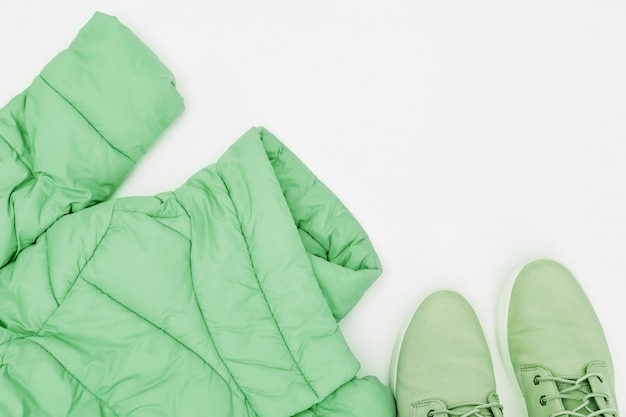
117, 84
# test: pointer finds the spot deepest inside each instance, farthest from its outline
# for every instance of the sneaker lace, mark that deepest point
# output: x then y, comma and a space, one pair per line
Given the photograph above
577, 391
471, 409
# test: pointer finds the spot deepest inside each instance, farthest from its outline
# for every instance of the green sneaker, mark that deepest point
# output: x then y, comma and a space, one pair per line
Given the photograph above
442, 367
555, 343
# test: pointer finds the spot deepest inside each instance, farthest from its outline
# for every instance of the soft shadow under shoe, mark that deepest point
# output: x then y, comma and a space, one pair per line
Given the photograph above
443, 366
554, 344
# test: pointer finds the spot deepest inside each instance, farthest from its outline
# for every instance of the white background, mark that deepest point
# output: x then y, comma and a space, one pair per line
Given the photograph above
466, 136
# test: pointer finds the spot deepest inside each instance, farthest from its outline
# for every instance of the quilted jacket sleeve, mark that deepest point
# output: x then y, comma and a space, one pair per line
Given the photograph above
68, 140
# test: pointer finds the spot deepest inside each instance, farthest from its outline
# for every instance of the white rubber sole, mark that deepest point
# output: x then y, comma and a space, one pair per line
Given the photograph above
502, 320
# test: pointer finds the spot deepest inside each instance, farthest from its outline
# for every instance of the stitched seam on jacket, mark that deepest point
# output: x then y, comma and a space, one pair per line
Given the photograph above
56, 300
93, 394
6, 349
67, 293
19, 157
106, 232
174, 338
154, 218
206, 325
256, 277
8, 342
88, 121
173, 230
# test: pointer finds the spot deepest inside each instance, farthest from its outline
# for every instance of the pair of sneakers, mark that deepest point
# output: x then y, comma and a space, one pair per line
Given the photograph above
550, 337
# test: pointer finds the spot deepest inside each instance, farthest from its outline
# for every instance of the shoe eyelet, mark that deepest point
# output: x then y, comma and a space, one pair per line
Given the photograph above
543, 401
600, 378
430, 413
536, 380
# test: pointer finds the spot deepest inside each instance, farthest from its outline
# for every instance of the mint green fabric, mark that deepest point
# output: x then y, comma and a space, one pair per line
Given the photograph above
220, 298
557, 348
444, 365
75, 133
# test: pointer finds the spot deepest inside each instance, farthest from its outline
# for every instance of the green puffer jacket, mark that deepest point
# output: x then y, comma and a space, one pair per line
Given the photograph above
220, 298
